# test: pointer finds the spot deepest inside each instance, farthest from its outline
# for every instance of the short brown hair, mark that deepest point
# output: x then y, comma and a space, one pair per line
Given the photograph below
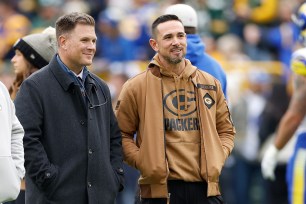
67, 22
162, 19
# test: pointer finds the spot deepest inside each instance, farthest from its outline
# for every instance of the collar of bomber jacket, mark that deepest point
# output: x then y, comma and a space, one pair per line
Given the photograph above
181, 81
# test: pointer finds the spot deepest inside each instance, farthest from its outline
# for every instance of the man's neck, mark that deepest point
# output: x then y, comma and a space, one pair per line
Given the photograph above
76, 70
175, 68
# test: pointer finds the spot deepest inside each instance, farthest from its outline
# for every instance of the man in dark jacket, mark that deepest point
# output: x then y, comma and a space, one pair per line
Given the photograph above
72, 142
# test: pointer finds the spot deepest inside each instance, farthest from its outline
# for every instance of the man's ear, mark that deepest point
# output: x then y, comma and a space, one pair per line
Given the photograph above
153, 44
62, 42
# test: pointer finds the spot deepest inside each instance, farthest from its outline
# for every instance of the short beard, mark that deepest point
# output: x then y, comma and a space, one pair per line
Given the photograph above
173, 60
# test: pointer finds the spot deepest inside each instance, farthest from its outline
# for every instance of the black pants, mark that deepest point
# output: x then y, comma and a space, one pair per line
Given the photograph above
185, 193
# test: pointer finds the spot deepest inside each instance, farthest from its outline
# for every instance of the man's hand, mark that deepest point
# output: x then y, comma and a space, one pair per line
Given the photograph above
269, 162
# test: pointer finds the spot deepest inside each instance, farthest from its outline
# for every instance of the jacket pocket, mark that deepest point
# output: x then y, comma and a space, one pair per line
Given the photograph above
152, 167
140, 164
9, 179
53, 176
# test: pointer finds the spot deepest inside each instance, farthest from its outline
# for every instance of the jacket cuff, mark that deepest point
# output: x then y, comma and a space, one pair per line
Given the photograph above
48, 177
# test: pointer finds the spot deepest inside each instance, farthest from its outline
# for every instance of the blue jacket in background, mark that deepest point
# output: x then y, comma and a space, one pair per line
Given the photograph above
196, 54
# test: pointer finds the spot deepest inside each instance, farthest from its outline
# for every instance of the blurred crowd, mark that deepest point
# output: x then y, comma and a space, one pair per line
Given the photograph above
252, 40
231, 29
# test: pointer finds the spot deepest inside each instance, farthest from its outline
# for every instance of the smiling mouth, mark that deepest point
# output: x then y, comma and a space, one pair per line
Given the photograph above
89, 55
176, 51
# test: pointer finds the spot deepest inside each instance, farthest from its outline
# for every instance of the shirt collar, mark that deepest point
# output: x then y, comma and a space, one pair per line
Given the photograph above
80, 74
83, 74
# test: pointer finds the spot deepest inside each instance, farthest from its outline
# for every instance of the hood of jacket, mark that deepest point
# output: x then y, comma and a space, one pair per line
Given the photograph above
188, 71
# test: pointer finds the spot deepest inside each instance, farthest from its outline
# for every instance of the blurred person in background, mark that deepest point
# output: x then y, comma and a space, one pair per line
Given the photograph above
119, 74
195, 46
136, 26
96, 6
281, 38
76, 6
47, 13
32, 52
11, 148
112, 46
214, 16
262, 12
253, 46
247, 11
230, 51
293, 123
13, 25
230, 47
127, 196
276, 105
116, 81
246, 114
73, 149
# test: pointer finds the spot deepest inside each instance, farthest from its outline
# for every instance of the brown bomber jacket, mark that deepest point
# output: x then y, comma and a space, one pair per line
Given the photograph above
140, 110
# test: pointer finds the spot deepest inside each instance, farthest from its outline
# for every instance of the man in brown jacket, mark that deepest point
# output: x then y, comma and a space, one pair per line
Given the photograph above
182, 122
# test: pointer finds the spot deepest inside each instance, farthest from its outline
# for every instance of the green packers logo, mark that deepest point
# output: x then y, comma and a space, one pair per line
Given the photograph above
208, 101
171, 102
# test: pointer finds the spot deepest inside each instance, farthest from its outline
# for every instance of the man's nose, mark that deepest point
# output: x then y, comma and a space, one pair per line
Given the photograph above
91, 45
175, 41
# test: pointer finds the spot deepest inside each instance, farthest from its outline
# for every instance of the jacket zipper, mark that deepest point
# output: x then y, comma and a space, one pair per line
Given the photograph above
162, 89
201, 131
